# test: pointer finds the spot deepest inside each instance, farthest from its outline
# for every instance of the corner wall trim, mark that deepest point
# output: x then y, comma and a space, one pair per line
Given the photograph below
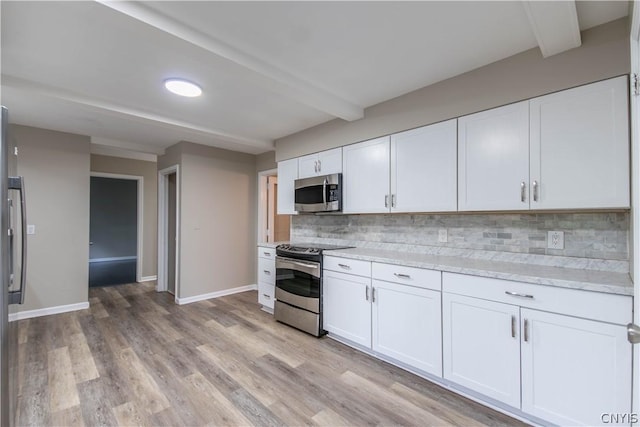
148, 278
201, 297
48, 311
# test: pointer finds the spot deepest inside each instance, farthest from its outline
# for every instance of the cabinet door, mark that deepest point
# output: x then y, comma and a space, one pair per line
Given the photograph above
308, 166
481, 346
266, 293
493, 159
287, 174
424, 169
580, 147
366, 176
346, 306
574, 370
407, 325
330, 161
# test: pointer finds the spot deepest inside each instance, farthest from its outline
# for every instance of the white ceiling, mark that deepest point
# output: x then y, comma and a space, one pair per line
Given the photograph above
268, 69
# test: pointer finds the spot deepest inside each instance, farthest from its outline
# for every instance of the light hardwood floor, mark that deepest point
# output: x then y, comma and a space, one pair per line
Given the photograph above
136, 358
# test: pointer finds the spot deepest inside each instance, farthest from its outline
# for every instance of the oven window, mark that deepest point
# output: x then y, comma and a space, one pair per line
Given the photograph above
310, 195
298, 283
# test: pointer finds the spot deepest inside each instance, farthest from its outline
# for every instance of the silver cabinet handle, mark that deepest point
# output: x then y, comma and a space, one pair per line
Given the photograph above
516, 294
523, 191
402, 276
345, 266
393, 200
526, 330
366, 293
373, 294
266, 272
266, 296
267, 253
513, 326
386, 201
315, 166
633, 333
319, 165
535, 191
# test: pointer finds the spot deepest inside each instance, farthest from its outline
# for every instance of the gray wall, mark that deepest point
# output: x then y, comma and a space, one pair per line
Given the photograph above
604, 53
266, 161
56, 170
148, 170
218, 201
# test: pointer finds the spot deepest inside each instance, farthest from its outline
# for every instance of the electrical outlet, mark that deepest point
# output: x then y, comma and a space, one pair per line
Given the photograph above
31, 229
442, 235
555, 239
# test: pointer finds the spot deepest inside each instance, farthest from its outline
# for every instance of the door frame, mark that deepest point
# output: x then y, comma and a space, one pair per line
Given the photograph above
262, 203
140, 213
635, 196
163, 251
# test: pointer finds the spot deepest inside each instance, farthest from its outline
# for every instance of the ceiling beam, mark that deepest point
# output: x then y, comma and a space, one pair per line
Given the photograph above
129, 113
555, 25
273, 78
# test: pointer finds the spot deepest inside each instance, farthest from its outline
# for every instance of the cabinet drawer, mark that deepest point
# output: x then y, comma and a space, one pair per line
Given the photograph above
267, 271
268, 253
266, 294
346, 265
419, 277
573, 302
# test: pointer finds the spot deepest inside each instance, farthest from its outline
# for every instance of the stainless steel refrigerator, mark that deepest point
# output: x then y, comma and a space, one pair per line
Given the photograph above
12, 270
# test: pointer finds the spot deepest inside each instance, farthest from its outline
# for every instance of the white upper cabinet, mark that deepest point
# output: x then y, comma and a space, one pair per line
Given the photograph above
580, 147
323, 163
423, 169
493, 159
287, 174
365, 184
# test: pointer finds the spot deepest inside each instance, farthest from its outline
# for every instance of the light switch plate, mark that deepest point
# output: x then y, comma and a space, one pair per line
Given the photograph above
442, 235
31, 229
555, 239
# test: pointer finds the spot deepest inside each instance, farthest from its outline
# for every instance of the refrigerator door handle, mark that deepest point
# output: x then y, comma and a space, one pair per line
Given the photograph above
17, 183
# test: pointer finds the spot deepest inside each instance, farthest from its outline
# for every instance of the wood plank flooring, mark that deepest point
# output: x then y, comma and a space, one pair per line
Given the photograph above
136, 358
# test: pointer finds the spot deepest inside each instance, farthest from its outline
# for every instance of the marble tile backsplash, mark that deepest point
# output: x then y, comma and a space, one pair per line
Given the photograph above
586, 235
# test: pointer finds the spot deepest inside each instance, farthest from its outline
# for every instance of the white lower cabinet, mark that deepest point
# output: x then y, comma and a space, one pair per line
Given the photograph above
557, 367
574, 370
266, 277
481, 346
346, 306
407, 326
397, 320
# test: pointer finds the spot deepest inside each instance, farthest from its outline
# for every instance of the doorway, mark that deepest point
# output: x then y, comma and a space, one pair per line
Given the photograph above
114, 229
271, 226
169, 231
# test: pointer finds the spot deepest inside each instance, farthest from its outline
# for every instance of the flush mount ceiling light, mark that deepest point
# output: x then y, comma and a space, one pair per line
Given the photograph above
183, 87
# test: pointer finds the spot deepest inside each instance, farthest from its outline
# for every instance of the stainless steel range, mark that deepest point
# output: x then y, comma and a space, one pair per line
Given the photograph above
299, 286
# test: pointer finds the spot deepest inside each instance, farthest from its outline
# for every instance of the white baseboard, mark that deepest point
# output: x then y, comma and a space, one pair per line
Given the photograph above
189, 300
47, 311
148, 278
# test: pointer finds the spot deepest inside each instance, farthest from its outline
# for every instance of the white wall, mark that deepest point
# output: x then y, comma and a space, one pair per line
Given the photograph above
56, 170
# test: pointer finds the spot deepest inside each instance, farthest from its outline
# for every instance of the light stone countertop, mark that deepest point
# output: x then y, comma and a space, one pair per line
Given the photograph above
271, 245
590, 280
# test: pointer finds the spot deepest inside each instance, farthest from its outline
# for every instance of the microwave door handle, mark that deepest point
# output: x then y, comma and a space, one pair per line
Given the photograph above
324, 192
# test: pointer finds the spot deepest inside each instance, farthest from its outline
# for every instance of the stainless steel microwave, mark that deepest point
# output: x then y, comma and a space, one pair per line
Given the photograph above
319, 193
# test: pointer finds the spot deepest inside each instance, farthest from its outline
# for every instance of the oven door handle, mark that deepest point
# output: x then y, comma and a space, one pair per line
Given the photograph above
302, 264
